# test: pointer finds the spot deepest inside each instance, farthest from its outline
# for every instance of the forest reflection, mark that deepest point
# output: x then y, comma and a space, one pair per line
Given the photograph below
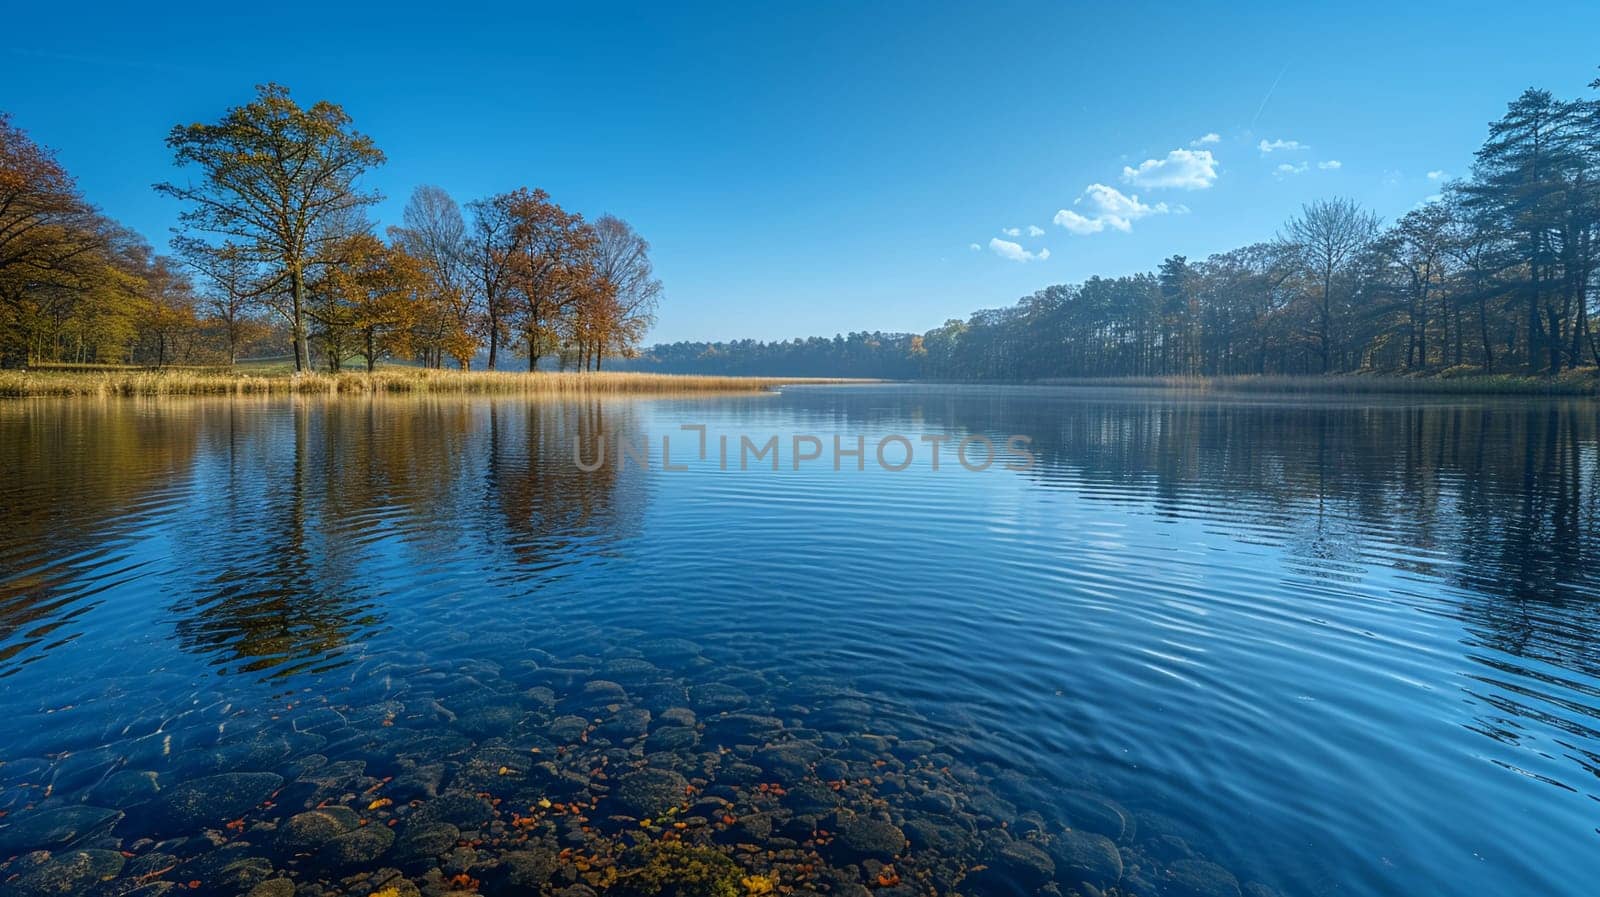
297, 522
298, 527
1494, 499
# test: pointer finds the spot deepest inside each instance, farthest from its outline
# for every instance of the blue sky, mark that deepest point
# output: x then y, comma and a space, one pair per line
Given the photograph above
819, 168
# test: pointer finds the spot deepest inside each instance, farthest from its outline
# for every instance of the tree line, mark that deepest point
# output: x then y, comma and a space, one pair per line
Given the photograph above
276, 252
1495, 274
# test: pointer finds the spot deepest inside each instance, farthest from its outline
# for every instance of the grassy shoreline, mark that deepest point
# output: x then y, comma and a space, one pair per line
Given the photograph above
1581, 383
63, 382
399, 381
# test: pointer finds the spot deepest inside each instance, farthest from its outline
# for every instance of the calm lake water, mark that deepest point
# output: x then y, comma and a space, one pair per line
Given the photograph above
1329, 647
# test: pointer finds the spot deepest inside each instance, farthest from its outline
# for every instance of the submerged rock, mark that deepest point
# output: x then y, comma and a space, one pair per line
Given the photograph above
73, 872
649, 792
738, 727
525, 871
790, 760
718, 696
601, 692
424, 841
862, 837
567, 729
629, 669
1024, 863
273, 887
356, 848
1086, 858
677, 716
453, 777
53, 828
671, 738
230, 869
1198, 878
489, 721
461, 810
125, 787
1092, 812
211, 800
629, 722
308, 831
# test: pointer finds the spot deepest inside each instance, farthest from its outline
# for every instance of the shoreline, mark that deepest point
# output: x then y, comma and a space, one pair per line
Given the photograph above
391, 381
54, 382
1576, 384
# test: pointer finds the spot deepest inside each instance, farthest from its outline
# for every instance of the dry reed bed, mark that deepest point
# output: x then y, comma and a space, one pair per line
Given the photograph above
23, 384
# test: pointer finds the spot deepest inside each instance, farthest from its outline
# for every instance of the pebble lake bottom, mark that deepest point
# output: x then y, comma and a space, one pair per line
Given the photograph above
394, 646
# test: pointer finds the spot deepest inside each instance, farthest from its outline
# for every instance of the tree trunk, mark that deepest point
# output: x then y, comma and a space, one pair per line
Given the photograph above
302, 350
1326, 323
491, 308
1555, 342
1483, 326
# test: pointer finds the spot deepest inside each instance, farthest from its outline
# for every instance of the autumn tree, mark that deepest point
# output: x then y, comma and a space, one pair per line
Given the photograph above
388, 300
593, 320
167, 322
365, 300
270, 174
551, 269
50, 239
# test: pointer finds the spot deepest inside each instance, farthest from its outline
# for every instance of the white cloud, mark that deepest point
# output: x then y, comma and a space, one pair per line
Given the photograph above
1035, 230
1011, 231
1106, 207
1207, 139
974, 247
1330, 165
1014, 251
1285, 169
1437, 175
1183, 169
1079, 224
1272, 146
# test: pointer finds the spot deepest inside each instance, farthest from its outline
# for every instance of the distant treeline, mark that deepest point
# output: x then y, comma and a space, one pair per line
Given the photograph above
276, 255
890, 356
1496, 273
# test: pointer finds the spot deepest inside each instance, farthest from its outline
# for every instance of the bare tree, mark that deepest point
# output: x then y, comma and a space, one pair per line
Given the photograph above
231, 287
435, 234
1327, 237
1417, 246
622, 259
492, 247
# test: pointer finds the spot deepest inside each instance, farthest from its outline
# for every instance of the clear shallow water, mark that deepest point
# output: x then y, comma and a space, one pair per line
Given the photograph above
1340, 648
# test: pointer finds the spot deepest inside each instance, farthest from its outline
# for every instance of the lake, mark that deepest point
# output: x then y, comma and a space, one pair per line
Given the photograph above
1197, 646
